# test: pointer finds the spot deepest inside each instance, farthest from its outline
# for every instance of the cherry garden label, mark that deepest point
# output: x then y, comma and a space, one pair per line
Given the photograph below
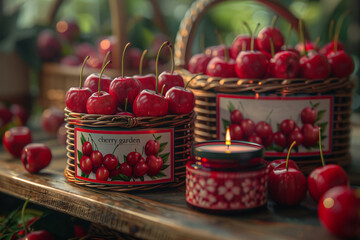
276, 122
124, 157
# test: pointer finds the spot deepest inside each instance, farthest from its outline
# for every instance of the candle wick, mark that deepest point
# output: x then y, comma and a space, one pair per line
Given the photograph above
228, 147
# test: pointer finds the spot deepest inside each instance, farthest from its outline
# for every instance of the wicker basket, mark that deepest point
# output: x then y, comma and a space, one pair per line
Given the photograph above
181, 125
208, 89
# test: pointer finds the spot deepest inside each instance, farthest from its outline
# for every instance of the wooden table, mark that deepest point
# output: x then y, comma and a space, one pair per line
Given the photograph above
160, 214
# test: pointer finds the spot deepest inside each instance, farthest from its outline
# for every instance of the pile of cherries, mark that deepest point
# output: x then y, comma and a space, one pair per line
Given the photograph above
262, 133
269, 56
134, 166
146, 95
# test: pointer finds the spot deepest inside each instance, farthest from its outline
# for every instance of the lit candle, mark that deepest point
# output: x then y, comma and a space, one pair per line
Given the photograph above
227, 138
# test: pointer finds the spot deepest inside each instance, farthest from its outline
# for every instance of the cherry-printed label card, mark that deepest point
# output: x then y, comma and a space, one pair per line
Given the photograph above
275, 122
124, 157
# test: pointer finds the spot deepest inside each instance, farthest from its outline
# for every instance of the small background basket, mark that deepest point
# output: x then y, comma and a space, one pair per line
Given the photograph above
183, 138
56, 78
206, 89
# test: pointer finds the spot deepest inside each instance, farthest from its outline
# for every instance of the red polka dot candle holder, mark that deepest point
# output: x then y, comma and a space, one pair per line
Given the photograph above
223, 177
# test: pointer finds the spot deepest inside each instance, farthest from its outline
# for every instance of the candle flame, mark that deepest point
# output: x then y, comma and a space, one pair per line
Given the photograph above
227, 138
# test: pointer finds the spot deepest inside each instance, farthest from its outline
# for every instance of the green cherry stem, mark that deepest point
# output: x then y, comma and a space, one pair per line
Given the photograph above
82, 69
316, 43
172, 58
337, 29
101, 73
162, 89
288, 155
320, 149
23, 216
253, 37
331, 29
122, 59
187, 84
288, 37
112, 154
272, 49
156, 66
274, 20
250, 32
301, 34
221, 42
105, 59
141, 61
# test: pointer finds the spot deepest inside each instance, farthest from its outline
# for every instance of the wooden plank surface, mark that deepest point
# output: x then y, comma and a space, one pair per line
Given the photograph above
160, 214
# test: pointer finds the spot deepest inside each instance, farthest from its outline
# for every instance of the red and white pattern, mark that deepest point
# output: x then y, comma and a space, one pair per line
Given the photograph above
224, 190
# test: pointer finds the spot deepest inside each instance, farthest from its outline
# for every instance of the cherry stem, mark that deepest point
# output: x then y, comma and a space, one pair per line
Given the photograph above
337, 29
268, 116
23, 216
101, 73
122, 59
112, 154
288, 155
288, 37
156, 65
317, 41
272, 49
274, 20
82, 69
162, 89
187, 84
221, 42
172, 58
202, 42
302, 39
321, 153
331, 29
247, 28
105, 59
126, 103
141, 61
253, 37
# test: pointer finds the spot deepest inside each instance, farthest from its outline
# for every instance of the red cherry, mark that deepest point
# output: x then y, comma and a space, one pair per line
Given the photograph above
236, 116
255, 139
285, 64
309, 115
125, 87
280, 139
287, 185
248, 127
267, 33
15, 139
218, 51
110, 161
87, 148
69, 30
341, 64
85, 49
338, 212
35, 156
97, 159
101, 103
86, 164
92, 82
147, 81
19, 112
314, 66
152, 147
106, 44
38, 235
251, 64
287, 126
133, 157
133, 57
198, 63
155, 164
219, 67
309, 46
114, 172
323, 178
48, 46
311, 135
242, 41
51, 119
140, 168
329, 47
126, 169
297, 137
170, 79
279, 162
268, 140
180, 100
102, 174
236, 132
263, 129
149, 103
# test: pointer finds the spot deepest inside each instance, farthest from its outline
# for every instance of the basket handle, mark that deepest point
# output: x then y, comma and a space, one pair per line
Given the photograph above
185, 35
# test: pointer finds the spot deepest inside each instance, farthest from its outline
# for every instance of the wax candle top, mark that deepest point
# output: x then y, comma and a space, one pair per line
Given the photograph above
238, 150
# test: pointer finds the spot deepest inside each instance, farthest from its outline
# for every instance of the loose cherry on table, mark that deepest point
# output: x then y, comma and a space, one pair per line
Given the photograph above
155, 164
325, 177
15, 139
338, 211
181, 100
170, 78
150, 103
101, 102
287, 185
267, 33
251, 64
76, 98
35, 156
123, 88
147, 81
38, 235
